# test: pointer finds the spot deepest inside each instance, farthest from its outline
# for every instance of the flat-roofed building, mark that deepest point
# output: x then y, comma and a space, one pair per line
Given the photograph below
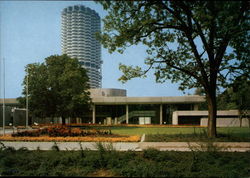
112, 106
140, 110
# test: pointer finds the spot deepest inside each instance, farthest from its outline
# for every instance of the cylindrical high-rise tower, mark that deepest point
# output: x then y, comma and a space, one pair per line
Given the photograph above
79, 27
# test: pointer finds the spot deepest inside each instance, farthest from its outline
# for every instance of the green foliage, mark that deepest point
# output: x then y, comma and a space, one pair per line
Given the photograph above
224, 135
151, 153
56, 88
194, 43
149, 163
104, 152
55, 147
173, 31
236, 96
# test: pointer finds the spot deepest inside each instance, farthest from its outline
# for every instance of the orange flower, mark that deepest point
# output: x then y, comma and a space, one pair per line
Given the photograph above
134, 138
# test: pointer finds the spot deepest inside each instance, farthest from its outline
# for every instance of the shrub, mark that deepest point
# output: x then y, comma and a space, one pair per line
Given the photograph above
150, 153
141, 168
128, 164
55, 147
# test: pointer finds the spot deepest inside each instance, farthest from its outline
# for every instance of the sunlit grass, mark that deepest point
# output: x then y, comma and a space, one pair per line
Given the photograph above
160, 133
235, 131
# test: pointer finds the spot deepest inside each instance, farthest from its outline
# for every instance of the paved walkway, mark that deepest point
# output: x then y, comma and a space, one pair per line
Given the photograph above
134, 146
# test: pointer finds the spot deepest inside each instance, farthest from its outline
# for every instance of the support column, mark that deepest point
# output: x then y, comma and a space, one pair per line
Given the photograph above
196, 107
160, 114
127, 111
93, 115
175, 118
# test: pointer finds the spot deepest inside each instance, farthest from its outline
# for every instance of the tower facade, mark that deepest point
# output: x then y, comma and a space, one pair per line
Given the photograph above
79, 27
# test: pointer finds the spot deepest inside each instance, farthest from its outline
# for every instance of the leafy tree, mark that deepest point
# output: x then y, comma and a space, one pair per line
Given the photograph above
56, 88
200, 91
198, 43
236, 96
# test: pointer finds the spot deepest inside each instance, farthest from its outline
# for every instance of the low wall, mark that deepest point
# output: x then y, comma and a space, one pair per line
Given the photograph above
228, 122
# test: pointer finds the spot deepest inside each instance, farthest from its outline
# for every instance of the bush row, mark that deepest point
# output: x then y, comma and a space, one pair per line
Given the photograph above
148, 163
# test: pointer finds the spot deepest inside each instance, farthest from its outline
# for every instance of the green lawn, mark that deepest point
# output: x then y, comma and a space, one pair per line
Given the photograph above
181, 133
153, 130
237, 131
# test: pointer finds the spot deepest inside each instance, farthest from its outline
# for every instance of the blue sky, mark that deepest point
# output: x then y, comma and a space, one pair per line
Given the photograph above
31, 31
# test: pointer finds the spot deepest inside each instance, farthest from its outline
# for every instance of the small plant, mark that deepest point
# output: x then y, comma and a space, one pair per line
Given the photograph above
82, 151
212, 148
23, 149
2, 146
105, 153
55, 147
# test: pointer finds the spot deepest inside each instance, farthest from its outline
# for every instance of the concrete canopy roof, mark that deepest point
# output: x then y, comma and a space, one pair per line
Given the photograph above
9, 101
149, 100
136, 100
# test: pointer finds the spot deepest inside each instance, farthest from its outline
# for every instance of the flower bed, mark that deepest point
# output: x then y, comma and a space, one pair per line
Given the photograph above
64, 133
119, 138
61, 131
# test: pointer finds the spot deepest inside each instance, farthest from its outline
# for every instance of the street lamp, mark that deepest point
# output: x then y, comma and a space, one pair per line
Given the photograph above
3, 96
27, 100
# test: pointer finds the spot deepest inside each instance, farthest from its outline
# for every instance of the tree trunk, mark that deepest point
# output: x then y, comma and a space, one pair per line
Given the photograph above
63, 120
212, 114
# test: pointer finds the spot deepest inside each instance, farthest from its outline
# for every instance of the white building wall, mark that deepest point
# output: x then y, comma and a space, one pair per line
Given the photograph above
228, 122
230, 118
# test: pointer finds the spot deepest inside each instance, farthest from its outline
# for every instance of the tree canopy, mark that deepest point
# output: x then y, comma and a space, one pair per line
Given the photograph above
197, 43
57, 87
236, 96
